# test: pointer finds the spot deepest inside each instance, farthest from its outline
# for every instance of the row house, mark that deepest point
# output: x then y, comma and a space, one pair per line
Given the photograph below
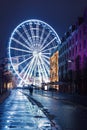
73, 57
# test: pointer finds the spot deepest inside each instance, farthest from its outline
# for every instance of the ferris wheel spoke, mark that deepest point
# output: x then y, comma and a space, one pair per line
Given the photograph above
46, 61
20, 43
46, 64
30, 67
45, 74
27, 34
39, 70
19, 56
17, 49
24, 39
45, 40
20, 83
33, 67
31, 64
32, 33
48, 43
50, 48
26, 72
42, 63
40, 67
47, 70
34, 72
46, 53
25, 60
42, 35
23, 70
43, 55
37, 33
46, 67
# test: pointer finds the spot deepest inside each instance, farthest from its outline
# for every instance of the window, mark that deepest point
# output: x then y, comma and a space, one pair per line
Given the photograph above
76, 37
84, 30
84, 44
80, 33
70, 53
76, 49
72, 41
80, 47
73, 52
69, 43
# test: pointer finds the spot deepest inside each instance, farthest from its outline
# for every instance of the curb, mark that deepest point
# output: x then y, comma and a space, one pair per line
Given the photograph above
54, 126
53, 123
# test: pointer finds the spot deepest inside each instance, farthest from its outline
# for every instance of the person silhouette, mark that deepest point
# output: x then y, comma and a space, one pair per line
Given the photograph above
31, 89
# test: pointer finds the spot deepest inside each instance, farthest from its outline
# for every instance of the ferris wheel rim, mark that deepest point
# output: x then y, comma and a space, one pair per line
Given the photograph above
35, 20
27, 21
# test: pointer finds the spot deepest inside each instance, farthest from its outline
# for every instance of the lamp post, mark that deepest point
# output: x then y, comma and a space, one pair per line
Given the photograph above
72, 76
69, 74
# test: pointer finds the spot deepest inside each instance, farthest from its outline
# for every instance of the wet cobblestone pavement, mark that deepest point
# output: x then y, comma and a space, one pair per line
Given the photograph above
17, 113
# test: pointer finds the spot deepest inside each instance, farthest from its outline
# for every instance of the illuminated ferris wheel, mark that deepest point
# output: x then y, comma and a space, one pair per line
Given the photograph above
30, 46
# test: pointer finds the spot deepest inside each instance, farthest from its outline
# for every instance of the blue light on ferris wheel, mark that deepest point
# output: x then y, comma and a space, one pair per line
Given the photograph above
32, 43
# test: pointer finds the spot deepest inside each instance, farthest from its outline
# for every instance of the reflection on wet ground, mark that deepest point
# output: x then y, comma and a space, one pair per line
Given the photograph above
18, 113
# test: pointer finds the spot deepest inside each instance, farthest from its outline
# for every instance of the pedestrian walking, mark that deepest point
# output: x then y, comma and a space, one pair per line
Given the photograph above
31, 89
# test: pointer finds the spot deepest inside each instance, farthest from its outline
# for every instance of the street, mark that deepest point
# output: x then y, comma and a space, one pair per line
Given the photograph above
67, 114
23, 111
18, 113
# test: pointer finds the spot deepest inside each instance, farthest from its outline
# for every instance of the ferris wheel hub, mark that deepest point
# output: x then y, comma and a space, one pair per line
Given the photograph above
36, 53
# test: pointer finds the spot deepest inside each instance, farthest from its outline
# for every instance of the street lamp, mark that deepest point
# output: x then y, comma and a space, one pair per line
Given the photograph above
72, 75
70, 61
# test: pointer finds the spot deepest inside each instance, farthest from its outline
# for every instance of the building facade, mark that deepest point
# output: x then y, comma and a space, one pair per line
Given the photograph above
73, 58
54, 69
7, 78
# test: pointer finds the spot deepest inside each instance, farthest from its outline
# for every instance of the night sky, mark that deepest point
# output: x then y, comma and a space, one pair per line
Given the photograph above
60, 14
